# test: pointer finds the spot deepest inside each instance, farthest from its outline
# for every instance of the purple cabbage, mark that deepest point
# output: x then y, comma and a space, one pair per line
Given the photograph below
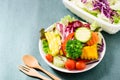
61, 28
84, 1
104, 7
92, 61
100, 47
70, 28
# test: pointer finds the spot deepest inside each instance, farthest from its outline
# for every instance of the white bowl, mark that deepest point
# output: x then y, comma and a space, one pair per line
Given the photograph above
90, 66
106, 26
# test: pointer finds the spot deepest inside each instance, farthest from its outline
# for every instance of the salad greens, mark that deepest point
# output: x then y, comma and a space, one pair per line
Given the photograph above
107, 10
63, 45
45, 46
67, 19
44, 41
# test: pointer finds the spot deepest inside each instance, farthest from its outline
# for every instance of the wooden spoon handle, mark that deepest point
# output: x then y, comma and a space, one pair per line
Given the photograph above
49, 74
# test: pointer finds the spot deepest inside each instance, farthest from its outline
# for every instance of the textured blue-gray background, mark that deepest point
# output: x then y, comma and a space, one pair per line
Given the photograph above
20, 22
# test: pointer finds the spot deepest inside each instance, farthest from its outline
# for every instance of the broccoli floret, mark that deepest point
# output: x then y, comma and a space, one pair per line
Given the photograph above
74, 49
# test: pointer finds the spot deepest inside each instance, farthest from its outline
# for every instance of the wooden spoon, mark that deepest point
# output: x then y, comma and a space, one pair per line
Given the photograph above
32, 62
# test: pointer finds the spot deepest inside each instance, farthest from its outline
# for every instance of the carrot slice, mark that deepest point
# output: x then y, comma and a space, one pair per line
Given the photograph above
94, 39
70, 36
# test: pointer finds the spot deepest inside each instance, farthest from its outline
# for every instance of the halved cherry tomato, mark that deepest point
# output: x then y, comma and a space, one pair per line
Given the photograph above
80, 65
70, 64
49, 57
70, 36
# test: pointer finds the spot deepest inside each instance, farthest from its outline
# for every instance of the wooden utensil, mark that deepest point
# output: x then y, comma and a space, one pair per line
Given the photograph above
32, 72
32, 62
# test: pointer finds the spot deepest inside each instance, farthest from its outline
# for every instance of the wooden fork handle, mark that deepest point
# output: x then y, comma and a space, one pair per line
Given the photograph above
49, 74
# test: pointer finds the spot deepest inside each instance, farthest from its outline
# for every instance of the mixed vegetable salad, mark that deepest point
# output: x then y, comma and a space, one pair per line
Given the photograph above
72, 44
107, 10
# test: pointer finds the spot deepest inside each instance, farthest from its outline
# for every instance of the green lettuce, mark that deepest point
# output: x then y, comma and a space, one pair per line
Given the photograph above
66, 19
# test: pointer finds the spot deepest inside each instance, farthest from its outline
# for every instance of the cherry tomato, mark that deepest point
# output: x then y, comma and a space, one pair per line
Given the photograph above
70, 64
80, 65
49, 57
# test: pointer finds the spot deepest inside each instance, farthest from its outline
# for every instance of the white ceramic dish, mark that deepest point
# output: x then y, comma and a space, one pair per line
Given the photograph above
106, 26
90, 66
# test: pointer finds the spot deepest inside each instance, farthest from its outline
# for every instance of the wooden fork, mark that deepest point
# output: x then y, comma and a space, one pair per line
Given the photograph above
31, 72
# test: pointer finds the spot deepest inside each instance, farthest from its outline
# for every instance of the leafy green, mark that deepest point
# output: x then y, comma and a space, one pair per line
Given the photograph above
67, 19
116, 18
95, 27
45, 46
112, 2
42, 34
74, 49
93, 12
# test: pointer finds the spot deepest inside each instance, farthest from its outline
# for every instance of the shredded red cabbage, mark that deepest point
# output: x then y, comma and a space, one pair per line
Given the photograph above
100, 47
61, 28
70, 28
84, 1
104, 7
92, 61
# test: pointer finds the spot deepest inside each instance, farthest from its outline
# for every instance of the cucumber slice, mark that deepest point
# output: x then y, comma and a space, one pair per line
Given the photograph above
83, 34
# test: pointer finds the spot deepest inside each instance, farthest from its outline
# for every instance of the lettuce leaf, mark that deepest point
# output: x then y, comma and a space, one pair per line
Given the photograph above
67, 19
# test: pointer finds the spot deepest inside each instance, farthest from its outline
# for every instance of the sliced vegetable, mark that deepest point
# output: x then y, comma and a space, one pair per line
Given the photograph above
83, 34
92, 61
106, 10
74, 49
100, 47
71, 26
72, 44
70, 64
94, 39
103, 7
80, 65
59, 61
89, 52
49, 57
87, 25
54, 42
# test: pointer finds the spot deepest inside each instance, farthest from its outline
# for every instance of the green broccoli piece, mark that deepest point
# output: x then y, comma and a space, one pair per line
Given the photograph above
74, 49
